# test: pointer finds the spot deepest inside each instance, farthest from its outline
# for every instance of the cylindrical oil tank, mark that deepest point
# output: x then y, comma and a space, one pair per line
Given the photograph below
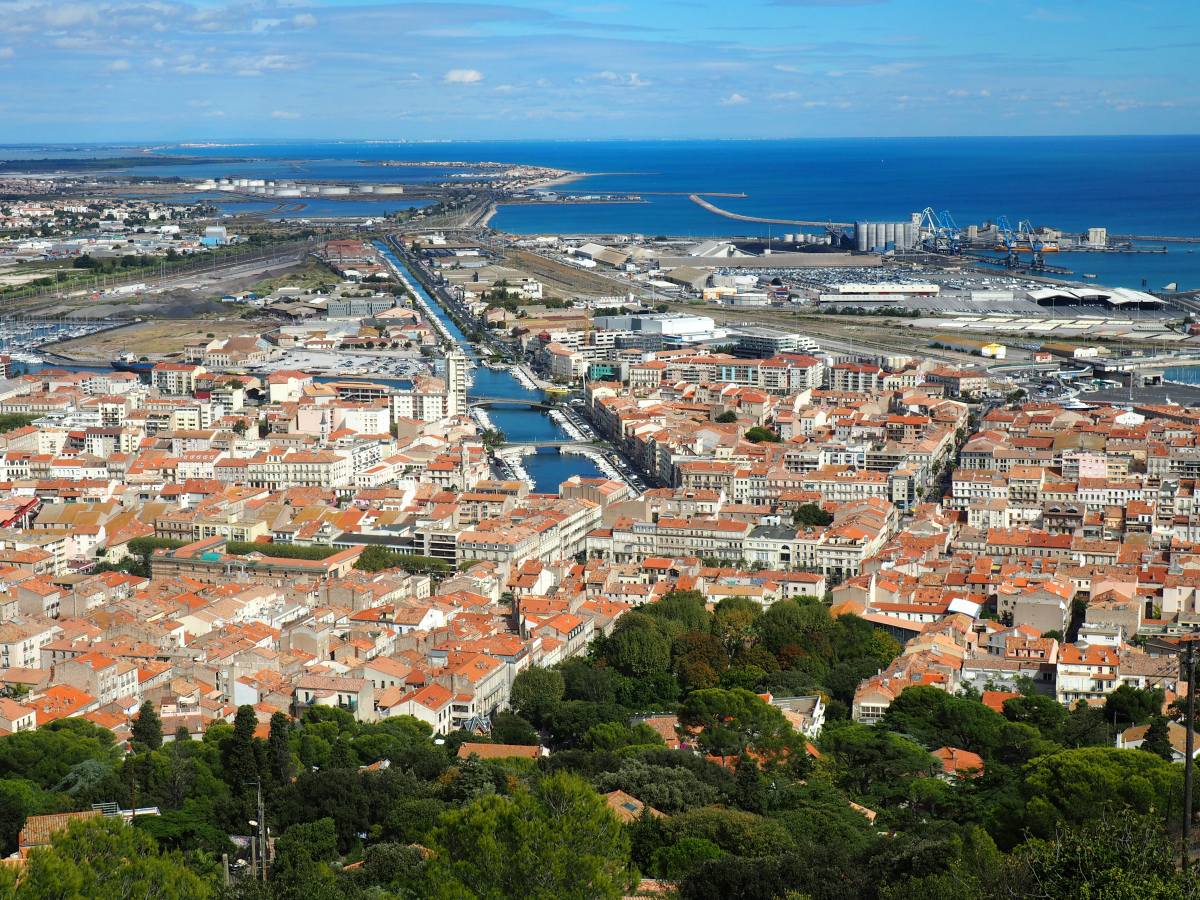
889, 233
366, 188
389, 189
287, 192
860, 237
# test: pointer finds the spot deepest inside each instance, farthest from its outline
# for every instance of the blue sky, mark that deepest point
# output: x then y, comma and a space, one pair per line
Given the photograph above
150, 70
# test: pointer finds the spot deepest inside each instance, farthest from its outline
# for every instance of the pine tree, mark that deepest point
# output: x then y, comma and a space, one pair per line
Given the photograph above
751, 792
147, 727
342, 756
279, 748
242, 756
1158, 739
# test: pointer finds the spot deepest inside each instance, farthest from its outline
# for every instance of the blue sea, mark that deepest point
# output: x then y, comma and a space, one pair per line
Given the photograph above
1129, 185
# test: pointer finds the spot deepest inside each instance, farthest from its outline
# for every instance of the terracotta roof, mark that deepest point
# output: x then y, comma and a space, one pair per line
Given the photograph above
38, 829
498, 751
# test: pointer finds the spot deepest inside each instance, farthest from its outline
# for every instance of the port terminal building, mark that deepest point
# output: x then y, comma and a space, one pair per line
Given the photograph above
1109, 298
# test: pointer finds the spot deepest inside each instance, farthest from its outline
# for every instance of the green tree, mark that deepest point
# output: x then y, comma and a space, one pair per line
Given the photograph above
1044, 713
147, 727
679, 611
740, 833
873, 762
509, 728
637, 648
751, 790
1128, 705
616, 736
727, 723
302, 854
241, 751
673, 863
535, 690
279, 748
726, 418
1158, 739
937, 718
376, 559
1075, 787
20, 799
758, 435
105, 859
47, 755
1121, 856
812, 515
558, 841
668, 788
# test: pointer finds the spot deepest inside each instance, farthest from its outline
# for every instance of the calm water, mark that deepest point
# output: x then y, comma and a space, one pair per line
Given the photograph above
1180, 264
1129, 185
548, 468
1139, 185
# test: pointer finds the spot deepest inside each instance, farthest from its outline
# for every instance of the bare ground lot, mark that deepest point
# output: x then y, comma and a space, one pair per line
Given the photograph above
562, 280
192, 295
150, 338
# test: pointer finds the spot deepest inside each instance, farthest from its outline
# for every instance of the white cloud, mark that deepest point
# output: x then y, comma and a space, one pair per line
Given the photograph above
5, 52
280, 114
811, 103
733, 100
503, 88
629, 79
119, 65
304, 20
985, 93
213, 114
463, 76
786, 95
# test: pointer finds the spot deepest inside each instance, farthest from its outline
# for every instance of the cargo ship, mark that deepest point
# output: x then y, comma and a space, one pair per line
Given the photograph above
128, 362
1025, 248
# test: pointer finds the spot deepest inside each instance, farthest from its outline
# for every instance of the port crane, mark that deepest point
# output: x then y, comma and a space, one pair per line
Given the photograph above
1005, 230
1036, 246
939, 234
1014, 238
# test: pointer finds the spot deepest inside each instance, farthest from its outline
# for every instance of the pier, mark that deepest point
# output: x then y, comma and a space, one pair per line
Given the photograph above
697, 198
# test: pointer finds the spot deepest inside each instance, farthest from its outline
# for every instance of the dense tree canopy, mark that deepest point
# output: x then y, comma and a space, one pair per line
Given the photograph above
745, 808
556, 842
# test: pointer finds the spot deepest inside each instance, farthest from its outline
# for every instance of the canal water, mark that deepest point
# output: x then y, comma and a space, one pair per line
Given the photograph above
547, 468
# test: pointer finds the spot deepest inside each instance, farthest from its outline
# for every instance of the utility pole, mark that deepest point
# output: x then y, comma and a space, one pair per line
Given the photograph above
262, 827
1189, 662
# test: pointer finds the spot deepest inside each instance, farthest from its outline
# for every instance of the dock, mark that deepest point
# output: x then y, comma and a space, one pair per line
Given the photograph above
697, 198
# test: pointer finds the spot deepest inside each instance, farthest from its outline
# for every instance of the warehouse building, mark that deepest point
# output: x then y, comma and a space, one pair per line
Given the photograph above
1070, 351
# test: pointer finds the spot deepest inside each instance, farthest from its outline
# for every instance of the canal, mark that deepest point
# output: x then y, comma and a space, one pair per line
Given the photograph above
548, 467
